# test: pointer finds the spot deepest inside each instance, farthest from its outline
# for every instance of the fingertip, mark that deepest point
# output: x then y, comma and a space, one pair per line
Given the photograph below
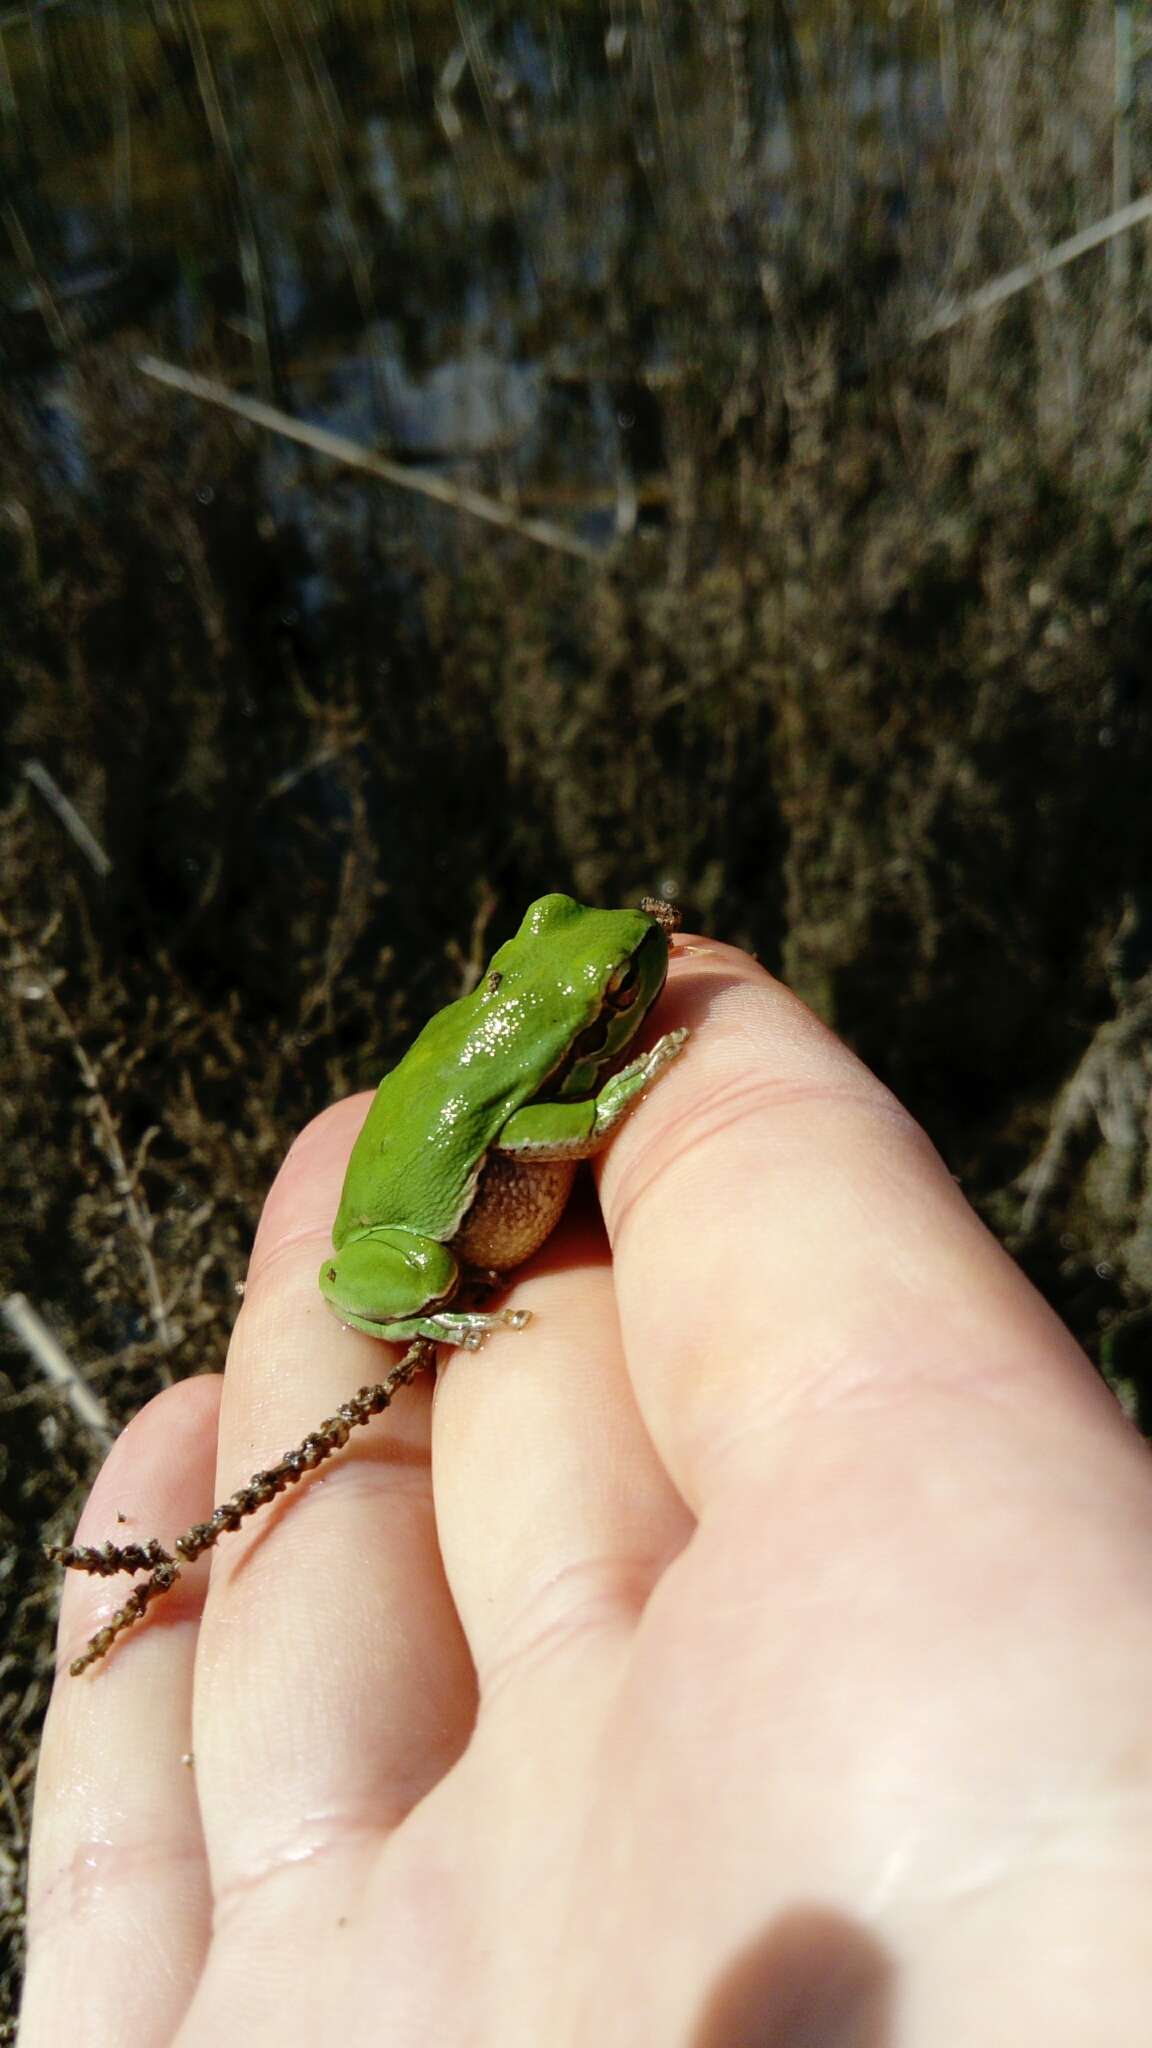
786, 1237
164, 1450
157, 1480
117, 1866
710, 981
305, 1194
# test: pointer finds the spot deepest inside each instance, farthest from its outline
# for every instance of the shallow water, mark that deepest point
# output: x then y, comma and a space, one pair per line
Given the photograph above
495, 244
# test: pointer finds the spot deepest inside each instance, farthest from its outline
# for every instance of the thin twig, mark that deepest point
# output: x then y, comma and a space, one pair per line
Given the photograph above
226, 140
19, 1837
41, 779
29, 1329
7, 89
473, 31
136, 1210
355, 456
954, 311
56, 323
471, 964
1123, 105
1110, 1088
105, 1560
448, 85
20, 520
324, 129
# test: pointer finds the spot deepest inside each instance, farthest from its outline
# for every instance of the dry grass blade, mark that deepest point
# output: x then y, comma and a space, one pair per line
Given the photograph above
29, 1329
1018, 280
126, 1181
355, 456
56, 323
40, 778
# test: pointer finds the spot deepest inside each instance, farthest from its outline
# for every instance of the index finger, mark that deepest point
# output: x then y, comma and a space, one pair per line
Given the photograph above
787, 1240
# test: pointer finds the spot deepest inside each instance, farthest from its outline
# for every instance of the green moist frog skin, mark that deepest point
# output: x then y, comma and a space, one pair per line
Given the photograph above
469, 1149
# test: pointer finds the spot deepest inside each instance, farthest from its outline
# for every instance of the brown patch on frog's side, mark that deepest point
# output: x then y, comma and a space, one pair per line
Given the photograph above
517, 1205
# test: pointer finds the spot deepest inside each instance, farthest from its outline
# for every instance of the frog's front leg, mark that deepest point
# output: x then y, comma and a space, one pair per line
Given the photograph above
528, 1174
575, 1130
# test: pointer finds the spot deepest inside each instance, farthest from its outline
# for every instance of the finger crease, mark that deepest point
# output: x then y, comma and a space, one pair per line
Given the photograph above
97, 1873
597, 1596
317, 1841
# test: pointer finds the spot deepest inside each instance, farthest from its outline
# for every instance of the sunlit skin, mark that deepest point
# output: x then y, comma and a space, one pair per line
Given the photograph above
758, 1648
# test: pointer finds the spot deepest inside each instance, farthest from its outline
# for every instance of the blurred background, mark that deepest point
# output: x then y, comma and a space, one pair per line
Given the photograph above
742, 489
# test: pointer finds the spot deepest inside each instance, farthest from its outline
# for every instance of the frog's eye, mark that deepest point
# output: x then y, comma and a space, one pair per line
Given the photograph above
624, 986
493, 983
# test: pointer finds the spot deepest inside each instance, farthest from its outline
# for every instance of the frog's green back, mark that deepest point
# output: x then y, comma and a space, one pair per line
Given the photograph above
435, 1116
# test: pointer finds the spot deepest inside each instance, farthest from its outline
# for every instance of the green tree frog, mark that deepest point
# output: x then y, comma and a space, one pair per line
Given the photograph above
469, 1149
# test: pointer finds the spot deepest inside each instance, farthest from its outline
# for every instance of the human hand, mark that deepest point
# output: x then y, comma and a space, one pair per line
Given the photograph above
756, 1651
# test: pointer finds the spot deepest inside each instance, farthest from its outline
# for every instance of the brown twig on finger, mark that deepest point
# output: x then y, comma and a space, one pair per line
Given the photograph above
104, 1559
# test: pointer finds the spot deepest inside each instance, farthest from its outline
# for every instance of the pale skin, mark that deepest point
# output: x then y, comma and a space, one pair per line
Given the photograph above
755, 1652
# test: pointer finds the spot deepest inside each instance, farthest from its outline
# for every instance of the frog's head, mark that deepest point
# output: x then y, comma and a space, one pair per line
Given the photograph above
604, 967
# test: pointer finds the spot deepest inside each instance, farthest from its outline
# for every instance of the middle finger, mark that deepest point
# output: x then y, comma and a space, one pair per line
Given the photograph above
556, 1516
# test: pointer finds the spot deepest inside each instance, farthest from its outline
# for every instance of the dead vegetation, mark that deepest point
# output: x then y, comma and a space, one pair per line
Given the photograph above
865, 682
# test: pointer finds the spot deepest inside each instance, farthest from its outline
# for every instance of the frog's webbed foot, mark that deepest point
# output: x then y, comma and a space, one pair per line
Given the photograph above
469, 1327
163, 1566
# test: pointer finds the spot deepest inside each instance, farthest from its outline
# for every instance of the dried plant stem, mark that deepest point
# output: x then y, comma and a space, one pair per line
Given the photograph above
30, 1330
135, 1208
471, 964
1123, 107
163, 1566
1006, 287
1110, 1088
136, 1211
42, 780
355, 456
56, 323
323, 122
